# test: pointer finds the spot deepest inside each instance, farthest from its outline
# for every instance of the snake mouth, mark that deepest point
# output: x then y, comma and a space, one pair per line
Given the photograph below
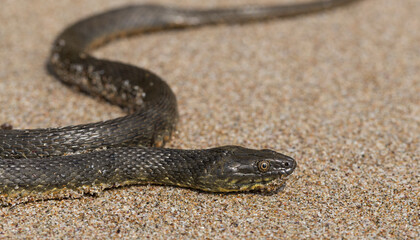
275, 185
261, 182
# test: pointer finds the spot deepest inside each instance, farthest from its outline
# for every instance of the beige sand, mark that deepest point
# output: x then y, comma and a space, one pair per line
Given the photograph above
339, 91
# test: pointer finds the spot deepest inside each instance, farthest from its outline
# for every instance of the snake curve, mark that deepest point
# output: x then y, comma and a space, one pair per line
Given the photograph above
74, 160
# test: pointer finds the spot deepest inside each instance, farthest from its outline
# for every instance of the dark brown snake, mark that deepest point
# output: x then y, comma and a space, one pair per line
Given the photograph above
70, 161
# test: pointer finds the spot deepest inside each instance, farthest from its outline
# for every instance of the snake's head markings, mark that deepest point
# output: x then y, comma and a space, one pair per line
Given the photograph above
243, 169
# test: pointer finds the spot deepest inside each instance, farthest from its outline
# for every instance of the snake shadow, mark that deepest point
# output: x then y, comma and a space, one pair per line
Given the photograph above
261, 192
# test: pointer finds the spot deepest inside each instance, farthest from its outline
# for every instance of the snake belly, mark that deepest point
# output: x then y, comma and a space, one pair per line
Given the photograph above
74, 160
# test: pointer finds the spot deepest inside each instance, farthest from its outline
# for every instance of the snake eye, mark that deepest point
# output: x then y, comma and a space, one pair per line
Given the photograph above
263, 165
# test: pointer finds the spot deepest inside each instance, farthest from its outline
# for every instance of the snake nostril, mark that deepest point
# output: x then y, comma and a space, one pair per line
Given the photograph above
289, 164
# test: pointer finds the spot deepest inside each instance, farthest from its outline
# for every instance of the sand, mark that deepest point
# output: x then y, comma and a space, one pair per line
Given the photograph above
338, 91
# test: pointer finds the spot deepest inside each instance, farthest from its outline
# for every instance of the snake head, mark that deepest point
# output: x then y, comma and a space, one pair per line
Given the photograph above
243, 169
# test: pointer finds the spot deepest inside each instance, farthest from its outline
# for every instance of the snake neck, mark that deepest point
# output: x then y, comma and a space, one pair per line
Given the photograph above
108, 168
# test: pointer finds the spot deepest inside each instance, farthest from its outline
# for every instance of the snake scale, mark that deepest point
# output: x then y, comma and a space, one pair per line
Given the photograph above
74, 160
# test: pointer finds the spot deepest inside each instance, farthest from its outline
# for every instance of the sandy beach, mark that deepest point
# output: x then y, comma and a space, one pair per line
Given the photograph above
339, 91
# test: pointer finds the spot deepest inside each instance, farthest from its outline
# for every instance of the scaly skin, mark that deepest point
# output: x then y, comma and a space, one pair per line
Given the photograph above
70, 161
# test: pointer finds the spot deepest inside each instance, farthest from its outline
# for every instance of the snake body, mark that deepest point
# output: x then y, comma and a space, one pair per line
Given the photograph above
73, 160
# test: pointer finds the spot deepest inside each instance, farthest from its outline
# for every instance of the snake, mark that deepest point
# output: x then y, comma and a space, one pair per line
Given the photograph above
72, 161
